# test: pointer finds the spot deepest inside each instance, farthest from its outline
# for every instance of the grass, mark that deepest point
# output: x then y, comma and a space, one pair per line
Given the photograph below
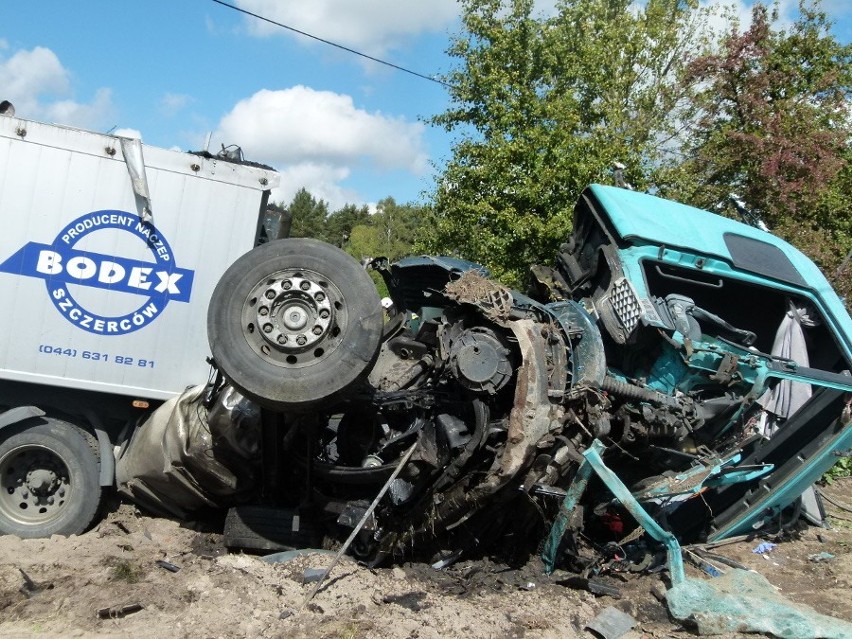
123, 570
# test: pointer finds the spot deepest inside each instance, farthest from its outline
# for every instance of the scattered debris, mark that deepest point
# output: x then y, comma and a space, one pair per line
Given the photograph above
116, 612
744, 601
290, 555
714, 557
611, 623
703, 564
312, 575
820, 556
166, 565
29, 587
659, 592
764, 547
593, 585
413, 601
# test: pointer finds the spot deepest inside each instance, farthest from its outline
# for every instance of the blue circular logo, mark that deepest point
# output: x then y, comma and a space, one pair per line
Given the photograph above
60, 264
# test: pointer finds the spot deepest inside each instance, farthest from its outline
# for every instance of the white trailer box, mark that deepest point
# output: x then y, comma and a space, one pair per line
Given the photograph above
92, 296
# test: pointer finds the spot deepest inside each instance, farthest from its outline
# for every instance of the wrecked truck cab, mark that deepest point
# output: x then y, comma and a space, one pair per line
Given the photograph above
703, 360
740, 334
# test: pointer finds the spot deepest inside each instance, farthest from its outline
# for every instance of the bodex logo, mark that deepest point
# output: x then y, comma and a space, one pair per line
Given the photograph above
60, 264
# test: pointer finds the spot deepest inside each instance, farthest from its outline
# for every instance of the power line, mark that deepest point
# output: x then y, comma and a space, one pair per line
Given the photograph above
333, 44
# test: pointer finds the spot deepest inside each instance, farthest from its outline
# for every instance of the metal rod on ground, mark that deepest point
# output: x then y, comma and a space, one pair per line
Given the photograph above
357, 529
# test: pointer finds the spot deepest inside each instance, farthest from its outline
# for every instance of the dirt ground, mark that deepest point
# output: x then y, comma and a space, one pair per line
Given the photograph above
57, 587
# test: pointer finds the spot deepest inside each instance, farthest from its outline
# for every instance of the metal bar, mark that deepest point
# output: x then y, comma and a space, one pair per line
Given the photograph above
360, 525
675, 559
557, 531
782, 370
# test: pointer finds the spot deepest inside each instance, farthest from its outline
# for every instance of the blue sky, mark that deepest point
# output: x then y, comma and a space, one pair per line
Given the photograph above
175, 71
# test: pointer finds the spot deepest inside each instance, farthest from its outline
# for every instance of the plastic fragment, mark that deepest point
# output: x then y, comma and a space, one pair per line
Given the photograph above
764, 547
312, 575
820, 556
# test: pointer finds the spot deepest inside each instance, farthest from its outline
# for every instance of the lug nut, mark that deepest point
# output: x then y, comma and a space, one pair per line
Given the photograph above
320, 297
317, 330
286, 285
282, 339
301, 340
270, 294
263, 311
324, 313
267, 328
305, 286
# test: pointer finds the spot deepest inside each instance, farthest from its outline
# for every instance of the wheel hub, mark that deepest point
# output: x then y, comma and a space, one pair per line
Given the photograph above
42, 481
34, 484
293, 317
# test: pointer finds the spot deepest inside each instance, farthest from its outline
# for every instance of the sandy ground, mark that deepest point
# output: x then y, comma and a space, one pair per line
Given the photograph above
56, 588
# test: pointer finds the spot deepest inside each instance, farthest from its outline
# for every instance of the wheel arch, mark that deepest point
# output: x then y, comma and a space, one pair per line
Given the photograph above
92, 424
19, 414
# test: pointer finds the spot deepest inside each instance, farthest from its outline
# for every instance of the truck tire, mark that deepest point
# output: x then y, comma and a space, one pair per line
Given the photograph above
295, 322
269, 528
49, 479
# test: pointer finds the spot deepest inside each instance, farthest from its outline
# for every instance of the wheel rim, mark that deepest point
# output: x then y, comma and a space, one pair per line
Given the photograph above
34, 485
294, 318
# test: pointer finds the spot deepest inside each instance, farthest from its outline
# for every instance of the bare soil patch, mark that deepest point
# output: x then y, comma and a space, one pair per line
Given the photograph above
107, 583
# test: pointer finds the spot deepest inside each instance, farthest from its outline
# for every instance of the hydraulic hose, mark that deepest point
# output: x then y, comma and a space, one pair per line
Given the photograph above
631, 391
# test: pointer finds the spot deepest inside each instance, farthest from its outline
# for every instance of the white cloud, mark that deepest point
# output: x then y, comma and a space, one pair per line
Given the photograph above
39, 86
4, 44
128, 133
315, 137
300, 124
28, 74
372, 26
90, 114
321, 180
172, 103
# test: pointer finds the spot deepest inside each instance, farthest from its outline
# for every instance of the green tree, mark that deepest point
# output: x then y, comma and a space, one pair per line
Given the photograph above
774, 127
389, 232
339, 224
399, 226
365, 241
543, 106
309, 215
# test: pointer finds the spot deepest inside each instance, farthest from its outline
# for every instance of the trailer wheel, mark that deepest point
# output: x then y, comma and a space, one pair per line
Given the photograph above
49, 479
295, 322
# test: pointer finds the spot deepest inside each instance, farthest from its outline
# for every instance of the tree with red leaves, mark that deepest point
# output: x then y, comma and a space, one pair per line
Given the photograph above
772, 123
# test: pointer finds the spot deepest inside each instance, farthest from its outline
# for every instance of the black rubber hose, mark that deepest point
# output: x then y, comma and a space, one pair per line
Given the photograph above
631, 391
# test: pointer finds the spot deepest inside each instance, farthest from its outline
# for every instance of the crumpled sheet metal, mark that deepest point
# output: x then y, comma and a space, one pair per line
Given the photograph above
182, 459
744, 601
